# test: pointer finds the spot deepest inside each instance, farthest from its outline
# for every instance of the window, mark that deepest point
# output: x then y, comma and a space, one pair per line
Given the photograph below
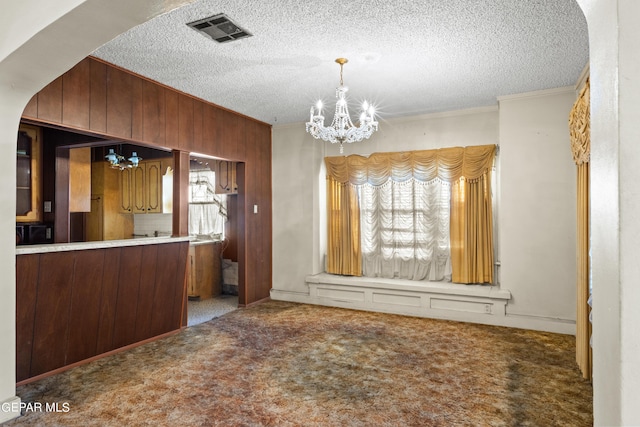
207, 210
405, 230
420, 215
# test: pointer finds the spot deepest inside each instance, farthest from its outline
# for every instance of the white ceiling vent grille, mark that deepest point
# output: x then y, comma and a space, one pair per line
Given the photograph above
220, 28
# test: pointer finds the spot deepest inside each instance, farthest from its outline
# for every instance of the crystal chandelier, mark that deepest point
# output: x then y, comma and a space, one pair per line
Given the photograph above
342, 128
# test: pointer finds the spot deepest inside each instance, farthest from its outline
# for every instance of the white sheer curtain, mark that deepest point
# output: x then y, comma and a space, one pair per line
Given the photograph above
205, 219
207, 210
405, 229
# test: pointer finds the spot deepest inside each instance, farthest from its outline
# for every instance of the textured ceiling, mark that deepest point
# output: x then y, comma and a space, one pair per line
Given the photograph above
407, 57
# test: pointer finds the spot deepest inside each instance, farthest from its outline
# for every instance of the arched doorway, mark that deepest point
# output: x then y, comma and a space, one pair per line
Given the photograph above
57, 37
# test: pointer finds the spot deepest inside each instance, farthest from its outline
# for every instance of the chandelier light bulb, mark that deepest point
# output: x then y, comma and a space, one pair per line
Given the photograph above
134, 159
342, 128
112, 157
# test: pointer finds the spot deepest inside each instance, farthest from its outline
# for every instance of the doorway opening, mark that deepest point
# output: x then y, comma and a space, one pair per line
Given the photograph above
212, 286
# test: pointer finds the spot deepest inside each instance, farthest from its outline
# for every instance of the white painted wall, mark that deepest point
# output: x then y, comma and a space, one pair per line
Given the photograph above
537, 217
58, 35
535, 168
477, 126
629, 198
297, 183
299, 225
615, 208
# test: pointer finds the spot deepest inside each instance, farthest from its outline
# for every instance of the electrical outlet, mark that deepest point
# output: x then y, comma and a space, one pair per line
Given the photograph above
487, 308
47, 206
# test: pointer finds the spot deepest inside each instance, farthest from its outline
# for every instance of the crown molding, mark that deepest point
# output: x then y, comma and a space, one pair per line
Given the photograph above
538, 93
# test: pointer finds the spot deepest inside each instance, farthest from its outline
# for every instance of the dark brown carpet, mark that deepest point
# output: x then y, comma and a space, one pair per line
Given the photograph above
285, 364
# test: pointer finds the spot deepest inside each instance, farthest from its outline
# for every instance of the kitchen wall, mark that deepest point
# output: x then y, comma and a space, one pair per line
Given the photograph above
148, 224
535, 198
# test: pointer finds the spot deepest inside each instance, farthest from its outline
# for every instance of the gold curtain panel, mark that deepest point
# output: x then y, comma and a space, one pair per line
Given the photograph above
344, 255
579, 131
447, 164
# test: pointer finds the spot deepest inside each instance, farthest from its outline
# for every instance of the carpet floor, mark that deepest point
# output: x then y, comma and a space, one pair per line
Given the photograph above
201, 311
286, 364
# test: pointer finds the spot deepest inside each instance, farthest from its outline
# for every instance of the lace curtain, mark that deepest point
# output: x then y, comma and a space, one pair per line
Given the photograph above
405, 230
205, 219
207, 210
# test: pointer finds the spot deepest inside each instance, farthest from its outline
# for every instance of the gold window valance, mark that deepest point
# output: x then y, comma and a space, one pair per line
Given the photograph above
446, 164
579, 127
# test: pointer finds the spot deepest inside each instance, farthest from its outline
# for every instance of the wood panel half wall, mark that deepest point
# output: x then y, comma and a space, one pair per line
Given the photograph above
74, 305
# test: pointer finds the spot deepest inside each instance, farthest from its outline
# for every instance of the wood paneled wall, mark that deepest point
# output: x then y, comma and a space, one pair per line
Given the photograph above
72, 306
102, 100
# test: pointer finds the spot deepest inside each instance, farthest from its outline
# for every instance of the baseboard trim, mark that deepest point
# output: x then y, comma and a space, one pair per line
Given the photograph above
251, 304
540, 323
10, 409
289, 296
480, 304
96, 357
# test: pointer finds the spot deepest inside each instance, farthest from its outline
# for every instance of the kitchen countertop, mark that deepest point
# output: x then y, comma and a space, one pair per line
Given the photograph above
79, 246
199, 242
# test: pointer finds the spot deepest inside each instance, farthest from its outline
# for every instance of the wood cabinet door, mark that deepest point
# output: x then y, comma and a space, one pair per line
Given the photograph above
126, 196
28, 176
95, 219
226, 177
153, 189
204, 270
138, 183
80, 179
141, 188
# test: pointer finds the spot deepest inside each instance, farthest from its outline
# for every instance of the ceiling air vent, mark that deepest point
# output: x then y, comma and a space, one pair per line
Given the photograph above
220, 28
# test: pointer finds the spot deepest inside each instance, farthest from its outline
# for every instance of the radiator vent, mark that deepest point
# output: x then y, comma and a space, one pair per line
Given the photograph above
220, 28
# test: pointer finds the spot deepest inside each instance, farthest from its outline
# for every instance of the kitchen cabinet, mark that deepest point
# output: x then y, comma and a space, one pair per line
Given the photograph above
80, 179
105, 221
28, 174
141, 188
226, 182
204, 277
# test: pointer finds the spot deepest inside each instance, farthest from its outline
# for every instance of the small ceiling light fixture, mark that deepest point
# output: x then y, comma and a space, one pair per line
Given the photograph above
134, 159
342, 128
117, 161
